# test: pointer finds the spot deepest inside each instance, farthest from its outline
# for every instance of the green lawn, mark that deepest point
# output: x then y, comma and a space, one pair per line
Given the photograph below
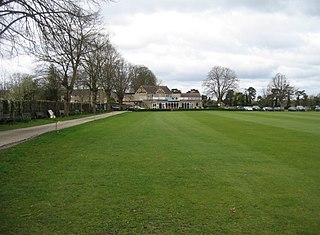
206, 172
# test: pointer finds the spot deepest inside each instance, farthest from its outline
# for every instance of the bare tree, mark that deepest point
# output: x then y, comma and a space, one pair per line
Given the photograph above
23, 87
67, 47
94, 63
280, 89
123, 78
142, 76
22, 21
107, 80
219, 81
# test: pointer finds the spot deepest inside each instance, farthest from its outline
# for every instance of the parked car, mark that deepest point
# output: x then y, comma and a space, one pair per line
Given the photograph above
277, 109
300, 108
135, 107
292, 109
267, 109
256, 108
240, 108
115, 107
317, 108
248, 108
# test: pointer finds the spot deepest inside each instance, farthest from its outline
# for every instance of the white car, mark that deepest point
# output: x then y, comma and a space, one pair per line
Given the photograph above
292, 109
267, 109
135, 107
300, 108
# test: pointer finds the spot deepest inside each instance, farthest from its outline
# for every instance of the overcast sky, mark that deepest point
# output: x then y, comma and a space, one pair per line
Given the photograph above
181, 40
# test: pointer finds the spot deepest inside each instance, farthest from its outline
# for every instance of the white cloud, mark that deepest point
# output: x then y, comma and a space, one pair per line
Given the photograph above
180, 40
21, 64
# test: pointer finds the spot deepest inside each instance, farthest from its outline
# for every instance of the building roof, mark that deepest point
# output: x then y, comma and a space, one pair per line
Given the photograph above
156, 89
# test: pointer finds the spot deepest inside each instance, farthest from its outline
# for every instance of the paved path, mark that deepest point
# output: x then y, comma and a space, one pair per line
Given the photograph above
13, 137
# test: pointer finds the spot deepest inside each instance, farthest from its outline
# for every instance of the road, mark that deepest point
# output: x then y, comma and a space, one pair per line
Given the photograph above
14, 137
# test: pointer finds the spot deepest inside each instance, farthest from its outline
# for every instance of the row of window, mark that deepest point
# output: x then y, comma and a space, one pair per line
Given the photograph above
173, 105
169, 98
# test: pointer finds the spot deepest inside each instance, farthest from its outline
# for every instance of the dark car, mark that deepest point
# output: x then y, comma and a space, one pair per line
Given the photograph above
115, 107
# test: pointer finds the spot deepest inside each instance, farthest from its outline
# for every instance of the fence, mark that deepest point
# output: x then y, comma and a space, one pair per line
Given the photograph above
15, 110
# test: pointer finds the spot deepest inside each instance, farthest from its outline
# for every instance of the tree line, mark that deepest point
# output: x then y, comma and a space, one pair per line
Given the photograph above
75, 52
222, 83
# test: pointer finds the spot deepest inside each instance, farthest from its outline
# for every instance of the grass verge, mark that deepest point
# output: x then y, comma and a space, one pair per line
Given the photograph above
38, 122
167, 173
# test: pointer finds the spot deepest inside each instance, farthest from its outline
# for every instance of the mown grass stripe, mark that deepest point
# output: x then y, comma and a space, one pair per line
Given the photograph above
166, 173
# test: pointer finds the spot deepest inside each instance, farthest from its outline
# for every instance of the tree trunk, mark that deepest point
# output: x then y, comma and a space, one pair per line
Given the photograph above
108, 95
94, 101
67, 101
121, 102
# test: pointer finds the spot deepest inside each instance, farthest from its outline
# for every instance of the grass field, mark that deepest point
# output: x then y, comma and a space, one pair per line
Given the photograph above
206, 172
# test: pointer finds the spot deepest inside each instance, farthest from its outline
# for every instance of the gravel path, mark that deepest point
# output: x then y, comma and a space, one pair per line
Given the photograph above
14, 137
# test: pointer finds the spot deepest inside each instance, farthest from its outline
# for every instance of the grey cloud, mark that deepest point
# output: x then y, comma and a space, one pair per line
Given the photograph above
255, 73
183, 39
270, 6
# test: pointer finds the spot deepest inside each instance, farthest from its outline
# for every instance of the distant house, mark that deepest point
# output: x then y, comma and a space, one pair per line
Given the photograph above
161, 97
85, 96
